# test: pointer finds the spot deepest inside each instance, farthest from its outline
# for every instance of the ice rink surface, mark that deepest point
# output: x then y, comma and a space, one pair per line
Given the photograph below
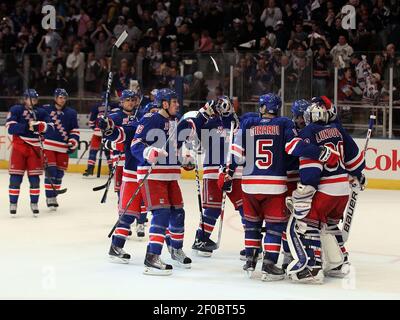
63, 254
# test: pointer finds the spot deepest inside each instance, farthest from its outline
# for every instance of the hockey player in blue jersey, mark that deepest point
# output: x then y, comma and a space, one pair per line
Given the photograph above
160, 190
322, 194
119, 129
58, 144
26, 123
261, 142
215, 146
95, 142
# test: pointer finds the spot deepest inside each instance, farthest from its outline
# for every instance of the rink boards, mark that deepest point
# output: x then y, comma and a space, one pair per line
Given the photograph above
382, 171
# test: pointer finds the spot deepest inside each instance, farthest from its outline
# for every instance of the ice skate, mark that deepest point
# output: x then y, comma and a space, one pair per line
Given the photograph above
251, 263
140, 230
88, 174
202, 248
287, 259
153, 265
52, 203
35, 209
242, 254
340, 271
118, 255
13, 209
180, 258
270, 272
313, 275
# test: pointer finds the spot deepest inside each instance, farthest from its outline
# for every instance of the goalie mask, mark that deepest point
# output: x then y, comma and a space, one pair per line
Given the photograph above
224, 106
316, 113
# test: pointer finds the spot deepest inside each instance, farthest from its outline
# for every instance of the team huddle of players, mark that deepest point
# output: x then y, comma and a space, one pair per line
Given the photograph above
288, 178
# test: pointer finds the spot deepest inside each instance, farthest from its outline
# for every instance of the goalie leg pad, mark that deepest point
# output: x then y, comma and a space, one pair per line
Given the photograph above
333, 255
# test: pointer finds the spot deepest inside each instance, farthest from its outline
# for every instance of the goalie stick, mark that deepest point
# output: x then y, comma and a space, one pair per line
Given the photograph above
355, 189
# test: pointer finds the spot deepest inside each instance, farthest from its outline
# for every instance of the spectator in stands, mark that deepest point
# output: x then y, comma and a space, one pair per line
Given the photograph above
271, 14
161, 15
346, 87
134, 33
341, 53
320, 72
45, 54
101, 39
206, 45
120, 26
75, 67
123, 77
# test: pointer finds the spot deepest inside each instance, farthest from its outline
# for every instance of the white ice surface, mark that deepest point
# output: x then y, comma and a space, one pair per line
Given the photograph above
63, 255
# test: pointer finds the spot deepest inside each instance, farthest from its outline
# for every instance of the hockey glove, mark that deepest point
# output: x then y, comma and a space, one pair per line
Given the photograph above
112, 145
38, 126
106, 125
72, 145
302, 199
359, 182
209, 110
188, 162
329, 156
152, 154
225, 179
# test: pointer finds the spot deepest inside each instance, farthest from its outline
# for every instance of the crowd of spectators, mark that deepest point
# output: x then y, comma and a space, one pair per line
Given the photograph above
305, 38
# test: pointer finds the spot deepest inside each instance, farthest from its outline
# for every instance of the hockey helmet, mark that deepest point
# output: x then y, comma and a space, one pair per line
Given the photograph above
298, 107
269, 103
60, 92
31, 93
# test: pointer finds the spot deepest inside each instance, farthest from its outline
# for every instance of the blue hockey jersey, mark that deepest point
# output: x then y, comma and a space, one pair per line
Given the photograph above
153, 130
262, 142
18, 119
65, 128
123, 132
331, 180
214, 137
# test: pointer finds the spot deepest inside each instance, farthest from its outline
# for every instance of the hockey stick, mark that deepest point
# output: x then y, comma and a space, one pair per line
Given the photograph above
139, 187
43, 155
117, 44
86, 149
228, 162
355, 189
110, 177
196, 170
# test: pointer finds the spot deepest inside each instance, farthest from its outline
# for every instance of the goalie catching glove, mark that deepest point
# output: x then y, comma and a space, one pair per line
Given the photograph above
225, 178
